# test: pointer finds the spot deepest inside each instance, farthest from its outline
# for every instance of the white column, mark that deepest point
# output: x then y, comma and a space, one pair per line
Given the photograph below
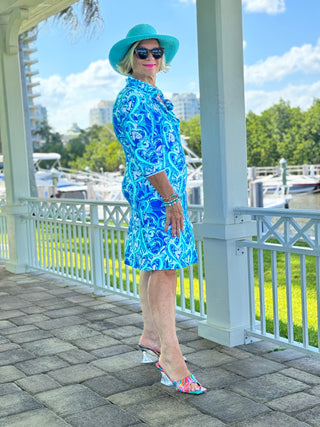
13, 139
224, 169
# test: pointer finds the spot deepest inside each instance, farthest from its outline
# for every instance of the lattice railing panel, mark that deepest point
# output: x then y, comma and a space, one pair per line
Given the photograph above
85, 241
284, 276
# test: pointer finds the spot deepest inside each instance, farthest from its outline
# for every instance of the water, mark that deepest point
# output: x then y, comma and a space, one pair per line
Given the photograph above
310, 201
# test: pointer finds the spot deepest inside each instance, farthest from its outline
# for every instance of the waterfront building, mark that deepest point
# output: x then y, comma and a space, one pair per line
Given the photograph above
186, 105
34, 113
102, 114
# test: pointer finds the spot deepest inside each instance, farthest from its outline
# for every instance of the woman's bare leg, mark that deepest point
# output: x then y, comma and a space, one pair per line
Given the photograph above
157, 295
162, 292
150, 337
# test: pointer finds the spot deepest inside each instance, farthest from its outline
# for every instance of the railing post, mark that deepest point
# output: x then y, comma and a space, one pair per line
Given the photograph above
96, 251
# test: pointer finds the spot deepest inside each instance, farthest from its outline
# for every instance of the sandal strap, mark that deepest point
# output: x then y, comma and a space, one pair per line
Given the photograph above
184, 384
144, 348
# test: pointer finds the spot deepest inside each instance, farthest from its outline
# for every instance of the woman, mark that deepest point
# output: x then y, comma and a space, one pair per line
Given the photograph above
160, 238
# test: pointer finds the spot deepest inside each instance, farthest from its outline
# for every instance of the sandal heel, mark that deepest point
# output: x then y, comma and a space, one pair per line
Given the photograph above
146, 358
165, 380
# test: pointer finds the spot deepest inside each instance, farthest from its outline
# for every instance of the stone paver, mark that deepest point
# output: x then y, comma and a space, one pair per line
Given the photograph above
139, 395
68, 358
37, 383
107, 385
307, 364
35, 418
302, 376
77, 356
17, 402
28, 336
163, 410
76, 374
119, 362
216, 377
111, 351
96, 341
209, 358
198, 420
73, 333
60, 322
268, 387
48, 346
247, 368
11, 357
276, 419
107, 415
10, 373
228, 406
311, 416
294, 402
9, 388
140, 376
283, 355
41, 365
70, 399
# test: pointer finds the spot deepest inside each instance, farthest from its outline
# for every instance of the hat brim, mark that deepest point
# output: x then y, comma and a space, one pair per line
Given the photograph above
118, 51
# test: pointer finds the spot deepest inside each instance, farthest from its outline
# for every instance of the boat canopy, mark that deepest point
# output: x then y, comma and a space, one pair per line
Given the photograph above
46, 156
41, 156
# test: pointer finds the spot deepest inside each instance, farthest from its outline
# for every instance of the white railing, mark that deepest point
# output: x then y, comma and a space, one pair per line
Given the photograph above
4, 246
276, 170
84, 241
284, 276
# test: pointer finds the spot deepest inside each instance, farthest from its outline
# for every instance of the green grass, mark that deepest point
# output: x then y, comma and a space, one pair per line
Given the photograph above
60, 247
63, 242
311, 295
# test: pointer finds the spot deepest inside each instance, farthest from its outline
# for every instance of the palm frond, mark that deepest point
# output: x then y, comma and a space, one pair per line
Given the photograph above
89, 19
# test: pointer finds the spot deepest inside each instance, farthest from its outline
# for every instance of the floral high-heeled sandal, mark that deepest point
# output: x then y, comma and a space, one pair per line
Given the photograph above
183, 385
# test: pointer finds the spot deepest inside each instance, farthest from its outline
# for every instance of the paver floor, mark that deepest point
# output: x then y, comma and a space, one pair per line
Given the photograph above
70, 358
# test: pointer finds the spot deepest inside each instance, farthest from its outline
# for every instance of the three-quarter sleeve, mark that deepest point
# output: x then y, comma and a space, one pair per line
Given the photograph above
140, 133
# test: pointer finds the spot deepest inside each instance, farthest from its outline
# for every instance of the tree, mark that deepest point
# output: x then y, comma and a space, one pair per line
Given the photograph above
103, 152
53, 142
276, 133
90, 18
308, 147
192, 130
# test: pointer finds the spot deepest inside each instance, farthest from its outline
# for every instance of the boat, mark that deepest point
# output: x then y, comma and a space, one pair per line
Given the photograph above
51, 182
295, 184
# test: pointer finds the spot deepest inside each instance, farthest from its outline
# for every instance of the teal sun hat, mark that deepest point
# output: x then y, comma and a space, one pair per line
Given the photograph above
142, 32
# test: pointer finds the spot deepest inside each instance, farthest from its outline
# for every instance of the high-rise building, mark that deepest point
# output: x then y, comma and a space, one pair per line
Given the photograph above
186, 105
34, 113
102, 114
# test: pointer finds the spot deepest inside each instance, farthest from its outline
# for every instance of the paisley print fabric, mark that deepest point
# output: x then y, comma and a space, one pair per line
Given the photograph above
149, 132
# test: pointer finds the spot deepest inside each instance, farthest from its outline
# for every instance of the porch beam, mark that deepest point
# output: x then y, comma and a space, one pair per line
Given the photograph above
39, 10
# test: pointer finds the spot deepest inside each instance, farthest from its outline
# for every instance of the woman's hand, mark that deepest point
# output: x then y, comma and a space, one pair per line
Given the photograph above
175, 217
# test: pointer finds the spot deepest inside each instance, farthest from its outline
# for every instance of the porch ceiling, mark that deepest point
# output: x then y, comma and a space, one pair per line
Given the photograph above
38, 10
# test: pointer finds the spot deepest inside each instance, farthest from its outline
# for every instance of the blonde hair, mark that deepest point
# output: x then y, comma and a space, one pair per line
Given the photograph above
125, 65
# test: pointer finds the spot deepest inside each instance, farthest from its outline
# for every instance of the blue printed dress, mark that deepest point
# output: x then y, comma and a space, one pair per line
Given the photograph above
150, 135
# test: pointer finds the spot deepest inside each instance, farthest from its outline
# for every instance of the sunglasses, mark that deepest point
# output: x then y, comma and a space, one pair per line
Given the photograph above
143, 52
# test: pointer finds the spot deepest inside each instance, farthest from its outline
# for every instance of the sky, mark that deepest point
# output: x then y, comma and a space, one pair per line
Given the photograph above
281, 40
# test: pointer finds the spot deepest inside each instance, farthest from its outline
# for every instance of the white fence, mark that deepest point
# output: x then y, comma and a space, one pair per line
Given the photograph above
259, 171
84, 241
4, 246
284, 276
